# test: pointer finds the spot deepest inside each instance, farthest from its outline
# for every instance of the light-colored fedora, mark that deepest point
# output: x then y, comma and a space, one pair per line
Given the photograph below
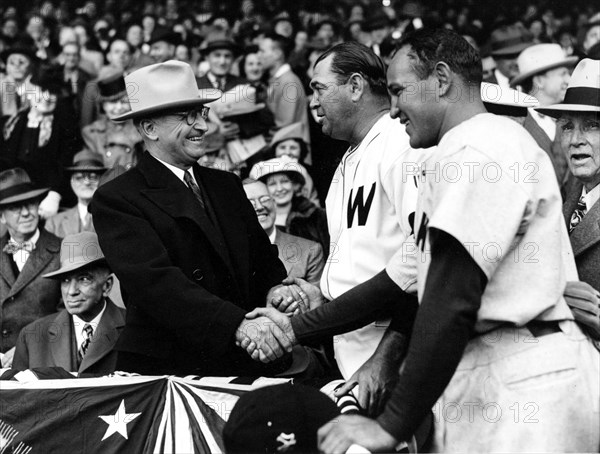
292, 131
540, 58
583, 93
164, 86
506, 101
78, 251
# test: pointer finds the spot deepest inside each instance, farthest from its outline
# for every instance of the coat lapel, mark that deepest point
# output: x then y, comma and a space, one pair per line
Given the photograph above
105, 337
6, 269
62, 344
587, 233
37, 261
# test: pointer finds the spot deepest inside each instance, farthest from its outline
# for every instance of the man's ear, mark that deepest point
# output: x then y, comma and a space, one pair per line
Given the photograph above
107, 286
445, 77
357, 86
148, 128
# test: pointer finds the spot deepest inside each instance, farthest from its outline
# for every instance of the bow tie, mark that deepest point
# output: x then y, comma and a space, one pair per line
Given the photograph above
13, 247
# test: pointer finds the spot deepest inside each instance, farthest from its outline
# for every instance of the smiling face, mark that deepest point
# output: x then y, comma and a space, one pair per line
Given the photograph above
331, 101
289, 147
83, 291
113, 109
263, 204
580, 140
554, 83
18, 66
21, 219
220, 61
253, 68
84, 184
414, 101
281, 188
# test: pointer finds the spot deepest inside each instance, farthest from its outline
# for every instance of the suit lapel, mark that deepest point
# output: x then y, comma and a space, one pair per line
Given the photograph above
105, 337
6, 269
538, 134
61, 336
37, 261
587, 233
172, 196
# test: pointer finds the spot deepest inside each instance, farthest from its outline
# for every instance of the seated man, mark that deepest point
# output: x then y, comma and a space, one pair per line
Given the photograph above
85, 175
26, 252
80, 338
302, 258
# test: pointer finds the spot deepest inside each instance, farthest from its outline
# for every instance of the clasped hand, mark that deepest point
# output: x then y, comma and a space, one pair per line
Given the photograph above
266, 334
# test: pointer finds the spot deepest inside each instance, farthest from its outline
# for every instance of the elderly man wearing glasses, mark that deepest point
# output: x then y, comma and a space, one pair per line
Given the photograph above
85, 176
185, 243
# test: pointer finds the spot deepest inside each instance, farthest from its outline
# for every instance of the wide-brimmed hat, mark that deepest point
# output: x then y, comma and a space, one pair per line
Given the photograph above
164, 86
112, 87
284, 164
239, 100
509, 40
583, 92
506, 101
78, 251
23, 46
293, 131
86, 161
16, 186
269, 419
540, 58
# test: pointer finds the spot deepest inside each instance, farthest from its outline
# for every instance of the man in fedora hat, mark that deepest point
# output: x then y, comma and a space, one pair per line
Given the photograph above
80, 338
544, 72
84, 176
26, 252
506, 43
578, 118
163, 43
16, 85
184, 241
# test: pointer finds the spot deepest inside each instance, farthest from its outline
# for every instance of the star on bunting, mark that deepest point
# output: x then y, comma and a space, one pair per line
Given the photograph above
118, 422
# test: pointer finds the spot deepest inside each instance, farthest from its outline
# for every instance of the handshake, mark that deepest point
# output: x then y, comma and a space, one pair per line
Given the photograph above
266, 333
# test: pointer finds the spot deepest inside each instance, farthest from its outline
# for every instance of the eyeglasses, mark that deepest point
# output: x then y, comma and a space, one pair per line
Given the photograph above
89, 176
31, 205
191, 116
264, 200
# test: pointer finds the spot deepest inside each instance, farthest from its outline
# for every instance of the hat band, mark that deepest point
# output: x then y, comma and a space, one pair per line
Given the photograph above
86, 163
507, 43
17, 189
587, 96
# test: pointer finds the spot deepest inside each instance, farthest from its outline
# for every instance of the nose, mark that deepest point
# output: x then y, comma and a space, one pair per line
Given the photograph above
578, 137
314, 102
394, 110
72, 288
200, 123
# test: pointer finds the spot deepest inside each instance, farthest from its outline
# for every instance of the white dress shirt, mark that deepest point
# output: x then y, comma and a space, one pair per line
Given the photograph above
78, 325
21, 256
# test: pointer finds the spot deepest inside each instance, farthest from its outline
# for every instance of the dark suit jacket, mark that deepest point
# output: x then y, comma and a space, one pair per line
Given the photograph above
585, 238
230, 82
51, 342
302, 258
185, 289
552, 148
29, 296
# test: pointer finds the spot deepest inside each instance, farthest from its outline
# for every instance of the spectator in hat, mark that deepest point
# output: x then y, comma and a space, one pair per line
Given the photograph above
220, 53
43, 138
506, 43
85, 175
286, 97
544, 72
121, 149
184, 242
112, 101
163, 44
75, 78
26, 253
16, 85
81, 337
578, 119
301, 257
294, 213
379, 26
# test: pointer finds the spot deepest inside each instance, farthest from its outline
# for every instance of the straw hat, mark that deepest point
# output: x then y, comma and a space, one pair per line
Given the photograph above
164, 86
541, 58
284, 164
583, 93
506, 101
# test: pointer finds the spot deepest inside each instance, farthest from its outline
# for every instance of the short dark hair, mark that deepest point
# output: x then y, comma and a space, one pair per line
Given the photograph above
352, 57
431, 46
283, 43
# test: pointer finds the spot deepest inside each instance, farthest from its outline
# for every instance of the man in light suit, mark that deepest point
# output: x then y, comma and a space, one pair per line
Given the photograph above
80, 338
302, 258
85, 175
26, 253
184, 242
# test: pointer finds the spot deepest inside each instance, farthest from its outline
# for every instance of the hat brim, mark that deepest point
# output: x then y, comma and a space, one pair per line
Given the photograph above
86, 169
243, 110
33, 194
236, 50
569, 61
293, 174
72, 267
510, 50
167, 106
17, 50
557, 110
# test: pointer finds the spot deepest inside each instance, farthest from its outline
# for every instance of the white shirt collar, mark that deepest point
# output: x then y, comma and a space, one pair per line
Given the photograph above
214, 80
82, 210
78, 325
281, 71
591, 197
273, 235
179, 173
503, 81
34, 239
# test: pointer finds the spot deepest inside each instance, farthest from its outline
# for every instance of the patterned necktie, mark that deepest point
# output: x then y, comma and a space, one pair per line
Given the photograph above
189, 180
87, 338
12, 247
578, 214
87, 223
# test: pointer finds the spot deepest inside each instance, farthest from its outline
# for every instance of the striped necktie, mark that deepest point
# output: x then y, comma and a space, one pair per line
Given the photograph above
87, 331
578, 214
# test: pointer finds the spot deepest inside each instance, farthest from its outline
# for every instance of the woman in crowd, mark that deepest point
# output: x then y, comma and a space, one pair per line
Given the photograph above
295, 214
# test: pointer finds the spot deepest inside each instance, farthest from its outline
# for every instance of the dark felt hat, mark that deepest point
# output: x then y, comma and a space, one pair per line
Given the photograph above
16, 186
166, 35
112, 87
24, 46
87, 161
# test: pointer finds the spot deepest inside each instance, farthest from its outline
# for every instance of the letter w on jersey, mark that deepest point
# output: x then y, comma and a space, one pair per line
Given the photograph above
358, 204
